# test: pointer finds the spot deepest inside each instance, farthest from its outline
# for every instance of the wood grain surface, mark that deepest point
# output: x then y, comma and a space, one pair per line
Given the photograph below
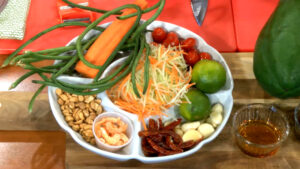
221, 153
32, 149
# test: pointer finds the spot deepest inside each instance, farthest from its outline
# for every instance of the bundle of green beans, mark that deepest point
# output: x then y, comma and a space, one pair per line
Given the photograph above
68, 56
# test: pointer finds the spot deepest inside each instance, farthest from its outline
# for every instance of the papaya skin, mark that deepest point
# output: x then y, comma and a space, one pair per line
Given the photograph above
276, 62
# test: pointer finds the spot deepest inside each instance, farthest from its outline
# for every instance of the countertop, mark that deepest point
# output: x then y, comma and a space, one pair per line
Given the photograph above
221, 153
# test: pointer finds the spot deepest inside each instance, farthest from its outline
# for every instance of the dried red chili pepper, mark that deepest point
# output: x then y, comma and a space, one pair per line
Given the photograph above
153, 125
147, 133
147, 149
188, 144
160, 124
170, 143
160, 141
157, 138
161, 149
176, 138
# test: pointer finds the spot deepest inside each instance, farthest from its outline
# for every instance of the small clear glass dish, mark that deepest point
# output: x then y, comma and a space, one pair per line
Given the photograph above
259, 129
297, 121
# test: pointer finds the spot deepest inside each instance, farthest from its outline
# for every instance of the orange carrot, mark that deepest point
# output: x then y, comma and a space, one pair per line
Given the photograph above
106, 43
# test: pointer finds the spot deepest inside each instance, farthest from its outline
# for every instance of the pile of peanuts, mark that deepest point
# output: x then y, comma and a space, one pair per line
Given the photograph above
80, 112
200, 129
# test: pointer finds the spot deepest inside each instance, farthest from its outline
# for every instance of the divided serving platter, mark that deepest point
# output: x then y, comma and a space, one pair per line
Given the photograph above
133, 150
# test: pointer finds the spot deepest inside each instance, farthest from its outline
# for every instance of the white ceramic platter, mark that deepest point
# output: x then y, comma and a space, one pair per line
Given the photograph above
133, 150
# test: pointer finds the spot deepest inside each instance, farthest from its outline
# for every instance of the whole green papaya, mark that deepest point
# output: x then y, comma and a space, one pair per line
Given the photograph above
276, 63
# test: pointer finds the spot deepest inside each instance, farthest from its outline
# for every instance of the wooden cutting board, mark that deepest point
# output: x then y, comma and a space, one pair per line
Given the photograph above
32, 149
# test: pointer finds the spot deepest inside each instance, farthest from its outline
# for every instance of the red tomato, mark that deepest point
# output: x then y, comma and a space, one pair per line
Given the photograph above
159, 35
188, 44
192, 57
204, 55
172, 39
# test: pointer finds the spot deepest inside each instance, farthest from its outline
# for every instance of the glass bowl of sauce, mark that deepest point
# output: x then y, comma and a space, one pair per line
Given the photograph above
259, 129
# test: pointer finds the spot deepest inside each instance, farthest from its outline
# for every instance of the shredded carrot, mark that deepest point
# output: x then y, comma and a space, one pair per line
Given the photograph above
169, 80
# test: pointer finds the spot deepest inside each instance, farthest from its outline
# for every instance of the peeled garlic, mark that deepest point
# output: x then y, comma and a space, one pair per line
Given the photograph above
179, 131
206, 129
190, 126
217, 108
191, 135
216, 118
211, 122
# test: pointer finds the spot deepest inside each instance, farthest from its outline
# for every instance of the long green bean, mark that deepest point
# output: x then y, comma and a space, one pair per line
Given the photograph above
66, 67
135, 63
34, 97
19, 80
28, 74
48, 69
150, 20
53, 51
30, 67
100, 88
143, 11
29, 60
49, 57
117, 13
90, 42
10, 57
146, 69
46, 51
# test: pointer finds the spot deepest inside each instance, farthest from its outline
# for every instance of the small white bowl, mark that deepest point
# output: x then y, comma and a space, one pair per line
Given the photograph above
129, 131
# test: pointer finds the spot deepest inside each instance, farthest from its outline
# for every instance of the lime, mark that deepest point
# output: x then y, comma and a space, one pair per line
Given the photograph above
197, 109
209, 76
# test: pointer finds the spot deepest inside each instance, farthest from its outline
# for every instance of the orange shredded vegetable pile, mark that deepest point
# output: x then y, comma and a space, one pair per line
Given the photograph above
168, 82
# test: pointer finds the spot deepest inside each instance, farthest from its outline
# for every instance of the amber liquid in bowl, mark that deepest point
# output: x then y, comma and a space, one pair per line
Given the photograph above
259, 133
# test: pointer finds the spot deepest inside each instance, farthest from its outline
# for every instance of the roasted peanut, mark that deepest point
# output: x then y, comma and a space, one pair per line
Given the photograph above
80, 98
87, 127
89, 120
79, 112
69, 118
58, 92
78, 122
92, 141
75, 127
88, 99
60, 101
86, 113
64, 97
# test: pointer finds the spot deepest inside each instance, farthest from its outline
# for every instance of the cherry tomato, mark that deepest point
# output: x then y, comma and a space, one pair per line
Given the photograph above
159, 35
192, 57
188, 44
204, 55
172, 40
